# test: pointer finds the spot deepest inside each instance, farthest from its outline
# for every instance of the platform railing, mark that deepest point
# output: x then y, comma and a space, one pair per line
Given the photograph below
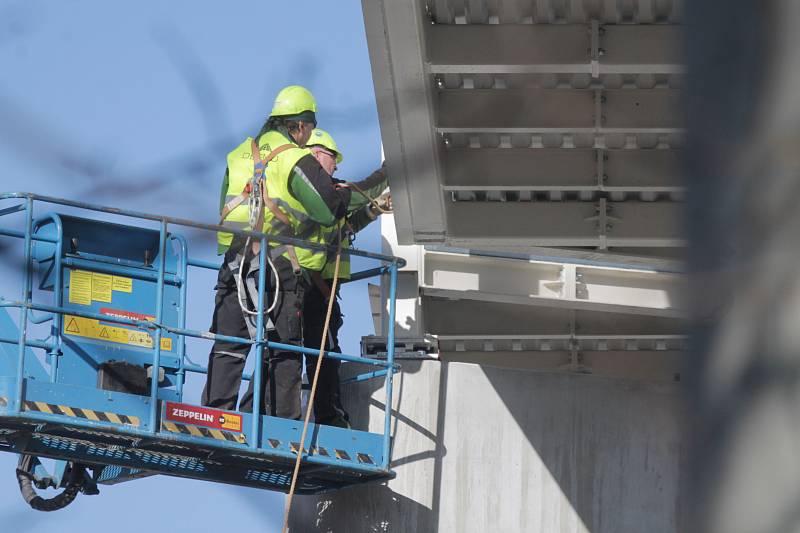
388, 265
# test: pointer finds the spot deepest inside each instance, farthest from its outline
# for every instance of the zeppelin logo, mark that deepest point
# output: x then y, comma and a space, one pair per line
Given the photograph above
201, 416
183, 414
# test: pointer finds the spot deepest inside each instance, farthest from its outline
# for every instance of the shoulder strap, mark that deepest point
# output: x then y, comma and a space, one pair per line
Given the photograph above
259, 165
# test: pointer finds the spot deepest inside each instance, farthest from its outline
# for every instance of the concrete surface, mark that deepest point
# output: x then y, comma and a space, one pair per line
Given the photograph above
480, 448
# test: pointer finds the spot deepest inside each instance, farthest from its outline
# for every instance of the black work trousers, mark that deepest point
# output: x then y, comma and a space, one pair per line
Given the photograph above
315, 307
281, 376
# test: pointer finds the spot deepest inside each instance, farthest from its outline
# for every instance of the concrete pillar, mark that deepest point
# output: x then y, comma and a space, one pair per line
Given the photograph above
479, 448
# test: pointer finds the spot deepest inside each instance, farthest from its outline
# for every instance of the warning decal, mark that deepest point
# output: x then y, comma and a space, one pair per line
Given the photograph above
101, 287
80, 287
121, 284
85, 287
94, 329
202, 416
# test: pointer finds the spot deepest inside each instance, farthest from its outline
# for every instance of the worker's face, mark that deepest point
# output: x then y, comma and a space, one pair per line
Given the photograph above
327, 159
304, 130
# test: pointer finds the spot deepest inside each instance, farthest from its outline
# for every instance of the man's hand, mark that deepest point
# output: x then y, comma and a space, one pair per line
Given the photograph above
380, 206
384, 202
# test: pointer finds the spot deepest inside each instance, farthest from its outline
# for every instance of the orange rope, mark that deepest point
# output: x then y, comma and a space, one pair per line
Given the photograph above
310, 405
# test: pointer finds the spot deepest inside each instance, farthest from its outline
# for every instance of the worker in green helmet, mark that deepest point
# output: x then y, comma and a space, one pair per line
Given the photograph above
364, 207
301, 197
297, 196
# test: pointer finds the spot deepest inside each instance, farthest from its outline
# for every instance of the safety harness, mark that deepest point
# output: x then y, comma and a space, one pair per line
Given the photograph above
256, 192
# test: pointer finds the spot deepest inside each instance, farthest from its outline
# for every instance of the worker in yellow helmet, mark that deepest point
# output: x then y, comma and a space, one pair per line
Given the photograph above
362, 209
298, 197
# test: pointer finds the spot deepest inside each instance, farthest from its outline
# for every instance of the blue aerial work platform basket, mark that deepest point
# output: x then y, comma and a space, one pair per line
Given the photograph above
86, 393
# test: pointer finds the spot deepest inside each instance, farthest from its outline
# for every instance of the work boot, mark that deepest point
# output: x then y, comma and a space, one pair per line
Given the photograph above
339, 409
336, 421
340, 421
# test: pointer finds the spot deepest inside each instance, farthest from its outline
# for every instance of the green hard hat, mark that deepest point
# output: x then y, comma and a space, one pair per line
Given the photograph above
293, 100
320, 137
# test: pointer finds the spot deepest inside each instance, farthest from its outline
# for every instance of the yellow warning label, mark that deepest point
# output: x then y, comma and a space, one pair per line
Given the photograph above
80, 287
87, 286
101, 287
232, 422
93, 329
122, 284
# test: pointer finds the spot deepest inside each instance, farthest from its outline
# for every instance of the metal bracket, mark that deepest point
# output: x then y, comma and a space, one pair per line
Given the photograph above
566, 283
599, 100
601, 169
603, 221
404, 348
595, 50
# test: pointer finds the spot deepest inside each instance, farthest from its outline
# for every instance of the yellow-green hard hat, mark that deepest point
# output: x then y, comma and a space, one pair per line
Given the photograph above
320, 137
293, 100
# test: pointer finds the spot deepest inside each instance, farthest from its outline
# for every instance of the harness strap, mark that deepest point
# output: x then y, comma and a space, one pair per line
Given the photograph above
234, 202
289, 250
280, 215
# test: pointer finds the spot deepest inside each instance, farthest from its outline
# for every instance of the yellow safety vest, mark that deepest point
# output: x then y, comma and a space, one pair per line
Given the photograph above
240, 170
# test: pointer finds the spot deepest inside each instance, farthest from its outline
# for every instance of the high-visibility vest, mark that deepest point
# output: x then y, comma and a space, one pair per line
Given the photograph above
278, 172
331, 236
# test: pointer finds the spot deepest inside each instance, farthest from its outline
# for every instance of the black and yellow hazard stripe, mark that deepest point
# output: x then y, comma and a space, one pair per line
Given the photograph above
76, 412
200, 431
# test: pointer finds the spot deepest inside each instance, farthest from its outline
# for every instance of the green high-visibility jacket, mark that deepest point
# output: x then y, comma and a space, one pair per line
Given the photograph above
359, 218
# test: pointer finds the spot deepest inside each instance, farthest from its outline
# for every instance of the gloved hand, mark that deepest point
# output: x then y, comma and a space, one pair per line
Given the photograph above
384, 202
382, 205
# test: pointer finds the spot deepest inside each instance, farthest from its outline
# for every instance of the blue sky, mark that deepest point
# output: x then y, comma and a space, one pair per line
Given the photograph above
135, 105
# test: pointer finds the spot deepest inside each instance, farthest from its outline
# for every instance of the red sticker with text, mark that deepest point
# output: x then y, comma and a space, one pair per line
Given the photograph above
130, 315
203, 416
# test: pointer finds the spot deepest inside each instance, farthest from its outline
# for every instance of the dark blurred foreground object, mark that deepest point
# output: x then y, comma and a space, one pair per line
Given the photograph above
743, 169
